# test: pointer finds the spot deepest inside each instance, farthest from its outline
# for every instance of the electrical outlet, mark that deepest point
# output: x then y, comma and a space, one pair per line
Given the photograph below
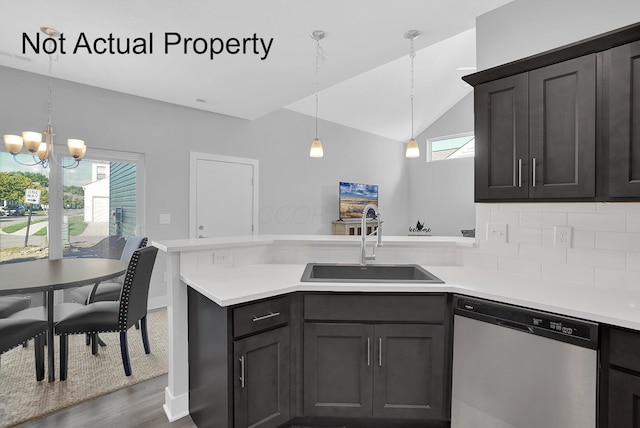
222, 257
562, 236
497, 232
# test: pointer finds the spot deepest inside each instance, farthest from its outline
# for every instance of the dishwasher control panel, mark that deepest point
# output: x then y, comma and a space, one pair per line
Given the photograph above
529, 320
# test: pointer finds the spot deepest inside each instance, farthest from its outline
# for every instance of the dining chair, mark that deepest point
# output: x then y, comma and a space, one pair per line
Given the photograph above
108, 291
9, 305
114, 316
15, 332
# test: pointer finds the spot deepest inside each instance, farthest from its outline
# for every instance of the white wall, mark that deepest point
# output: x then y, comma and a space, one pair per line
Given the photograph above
605, 235
298, 195
524, 27
441, 192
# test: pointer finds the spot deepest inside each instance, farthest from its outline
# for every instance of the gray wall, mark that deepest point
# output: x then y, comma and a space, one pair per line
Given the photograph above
441, 192
298, 195
524, 27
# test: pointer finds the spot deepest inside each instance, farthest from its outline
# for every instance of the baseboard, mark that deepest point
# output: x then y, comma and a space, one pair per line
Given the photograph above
157, 302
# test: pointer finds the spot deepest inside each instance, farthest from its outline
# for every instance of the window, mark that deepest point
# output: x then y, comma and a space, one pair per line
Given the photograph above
452, 147
100, 201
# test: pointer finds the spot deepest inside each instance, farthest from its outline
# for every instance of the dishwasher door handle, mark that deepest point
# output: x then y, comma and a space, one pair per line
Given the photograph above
516, 326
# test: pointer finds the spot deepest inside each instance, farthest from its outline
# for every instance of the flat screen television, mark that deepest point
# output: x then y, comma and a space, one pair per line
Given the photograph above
354, 197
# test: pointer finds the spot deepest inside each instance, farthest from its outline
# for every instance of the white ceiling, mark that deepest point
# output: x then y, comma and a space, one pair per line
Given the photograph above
364, 79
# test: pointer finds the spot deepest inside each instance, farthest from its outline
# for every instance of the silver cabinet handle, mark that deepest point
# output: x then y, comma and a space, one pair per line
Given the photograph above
368, 351
264, 317
534, 172
519, 172
380, 351
242, 372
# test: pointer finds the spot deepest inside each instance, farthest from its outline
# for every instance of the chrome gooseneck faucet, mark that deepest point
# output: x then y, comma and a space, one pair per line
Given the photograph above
363, 246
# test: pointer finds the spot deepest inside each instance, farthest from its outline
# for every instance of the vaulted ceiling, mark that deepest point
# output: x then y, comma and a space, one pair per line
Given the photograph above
364, 79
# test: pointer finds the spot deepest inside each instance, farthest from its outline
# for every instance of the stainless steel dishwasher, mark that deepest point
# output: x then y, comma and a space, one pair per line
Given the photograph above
521, 368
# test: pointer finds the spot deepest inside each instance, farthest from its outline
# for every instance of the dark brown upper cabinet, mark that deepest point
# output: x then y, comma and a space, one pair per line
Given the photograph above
624, 120
562, 125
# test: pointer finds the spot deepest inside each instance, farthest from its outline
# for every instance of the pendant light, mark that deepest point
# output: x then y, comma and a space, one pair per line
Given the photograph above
316, 145
413, 150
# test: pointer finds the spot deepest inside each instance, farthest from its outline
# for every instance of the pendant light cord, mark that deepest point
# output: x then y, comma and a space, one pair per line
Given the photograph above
319, 56
412, 55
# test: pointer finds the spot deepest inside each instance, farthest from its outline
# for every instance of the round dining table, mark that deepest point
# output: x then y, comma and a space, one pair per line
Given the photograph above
47, 275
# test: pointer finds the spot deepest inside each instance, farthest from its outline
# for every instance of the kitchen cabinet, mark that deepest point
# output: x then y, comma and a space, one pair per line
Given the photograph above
624, 120
239, 363
561, 125
620, 378
261, 391
535, 133
374, 368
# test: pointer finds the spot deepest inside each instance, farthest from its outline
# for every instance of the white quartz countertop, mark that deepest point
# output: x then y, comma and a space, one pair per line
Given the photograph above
620, 307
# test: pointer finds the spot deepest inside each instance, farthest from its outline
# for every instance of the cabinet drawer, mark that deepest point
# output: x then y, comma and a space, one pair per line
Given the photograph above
259, 316
373, 308
624, 349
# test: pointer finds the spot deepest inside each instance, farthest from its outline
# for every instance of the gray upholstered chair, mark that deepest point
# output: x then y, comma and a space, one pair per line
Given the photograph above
9, 305
15, 332
115, 316
108, 291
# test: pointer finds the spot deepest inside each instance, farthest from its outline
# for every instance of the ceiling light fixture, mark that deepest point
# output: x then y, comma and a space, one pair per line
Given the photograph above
316, 150
42, 151
413, 150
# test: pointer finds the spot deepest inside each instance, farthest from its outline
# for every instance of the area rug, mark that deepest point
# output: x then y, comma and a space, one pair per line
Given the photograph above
23, 398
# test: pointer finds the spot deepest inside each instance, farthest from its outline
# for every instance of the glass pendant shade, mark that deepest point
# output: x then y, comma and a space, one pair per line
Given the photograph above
76, 148
32, 140
13, 143
316, 149
43, 151
413, 150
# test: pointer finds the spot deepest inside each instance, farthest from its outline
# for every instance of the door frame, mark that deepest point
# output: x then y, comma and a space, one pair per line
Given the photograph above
194, 157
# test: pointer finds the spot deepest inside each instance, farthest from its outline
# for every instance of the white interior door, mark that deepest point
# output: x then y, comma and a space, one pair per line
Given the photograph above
223, 196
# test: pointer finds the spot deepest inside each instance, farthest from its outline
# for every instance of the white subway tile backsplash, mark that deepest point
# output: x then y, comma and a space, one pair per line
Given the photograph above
633, 262
498, 248
474, 258
543, 219
543, 253
570, 207
618, 207
618, 241
520, 207
525, 235
633, 222
597, 257
510, 218
616, 278
532, 268
584, 239
568, 273
615, 222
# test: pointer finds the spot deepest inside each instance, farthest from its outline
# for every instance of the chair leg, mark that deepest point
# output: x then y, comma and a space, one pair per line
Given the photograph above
94, 343
137, 325
87, 339
124, 349
64, 356
145, 334
39, 354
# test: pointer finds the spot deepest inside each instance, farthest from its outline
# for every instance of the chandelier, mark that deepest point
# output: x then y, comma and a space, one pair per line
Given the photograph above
42, 150
413, 150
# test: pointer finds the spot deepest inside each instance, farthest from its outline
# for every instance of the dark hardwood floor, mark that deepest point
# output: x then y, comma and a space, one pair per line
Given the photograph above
138, 406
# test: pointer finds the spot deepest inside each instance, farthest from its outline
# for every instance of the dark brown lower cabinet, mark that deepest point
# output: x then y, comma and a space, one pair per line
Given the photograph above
624, 399
374, 370
261, 390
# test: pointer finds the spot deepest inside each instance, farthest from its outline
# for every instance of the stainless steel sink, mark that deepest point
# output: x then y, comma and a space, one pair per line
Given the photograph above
336, 272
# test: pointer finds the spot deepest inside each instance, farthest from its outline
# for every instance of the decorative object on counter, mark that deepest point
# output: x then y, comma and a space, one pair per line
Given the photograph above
413, 151
42, 151
316, 150
468, 233
419, 229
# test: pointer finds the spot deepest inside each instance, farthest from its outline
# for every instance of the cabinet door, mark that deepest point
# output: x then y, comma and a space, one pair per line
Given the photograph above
624, 400
338, 362
261, 386
409, 371
562, 121
624, 121
501, 131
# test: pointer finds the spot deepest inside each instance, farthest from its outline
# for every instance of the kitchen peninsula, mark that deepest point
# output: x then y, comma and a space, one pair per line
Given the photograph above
226, 275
